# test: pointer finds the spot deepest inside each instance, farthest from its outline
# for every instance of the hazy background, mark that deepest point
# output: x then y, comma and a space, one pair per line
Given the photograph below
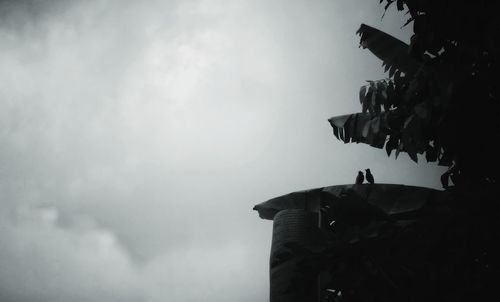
136, 136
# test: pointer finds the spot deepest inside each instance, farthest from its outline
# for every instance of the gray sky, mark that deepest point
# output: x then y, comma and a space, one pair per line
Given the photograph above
136, 136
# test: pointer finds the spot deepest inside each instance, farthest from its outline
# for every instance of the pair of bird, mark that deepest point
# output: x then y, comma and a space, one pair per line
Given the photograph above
361, 178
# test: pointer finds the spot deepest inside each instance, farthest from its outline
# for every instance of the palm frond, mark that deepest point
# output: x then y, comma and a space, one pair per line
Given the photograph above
360, 128
392, 51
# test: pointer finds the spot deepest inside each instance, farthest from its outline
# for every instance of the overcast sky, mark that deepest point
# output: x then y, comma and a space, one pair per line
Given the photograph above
136, 136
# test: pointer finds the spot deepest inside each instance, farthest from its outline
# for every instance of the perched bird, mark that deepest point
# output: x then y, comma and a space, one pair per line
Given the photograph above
445, 177
360, 178
452, 174
369, 176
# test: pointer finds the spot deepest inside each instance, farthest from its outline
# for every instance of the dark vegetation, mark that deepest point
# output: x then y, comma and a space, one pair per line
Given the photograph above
440, 97
440, 101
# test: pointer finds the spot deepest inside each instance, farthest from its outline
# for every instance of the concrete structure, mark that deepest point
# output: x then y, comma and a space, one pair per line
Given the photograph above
297, 218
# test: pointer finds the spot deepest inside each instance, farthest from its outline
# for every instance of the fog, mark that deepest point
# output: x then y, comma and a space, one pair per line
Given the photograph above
136, 136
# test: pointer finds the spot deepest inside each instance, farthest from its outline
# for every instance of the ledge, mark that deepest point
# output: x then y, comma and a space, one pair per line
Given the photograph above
390, 198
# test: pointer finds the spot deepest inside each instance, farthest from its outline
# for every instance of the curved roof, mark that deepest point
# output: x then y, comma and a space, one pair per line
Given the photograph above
390, 198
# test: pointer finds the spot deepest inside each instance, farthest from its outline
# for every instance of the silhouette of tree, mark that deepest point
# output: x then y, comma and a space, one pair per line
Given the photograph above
440, 97
439, 100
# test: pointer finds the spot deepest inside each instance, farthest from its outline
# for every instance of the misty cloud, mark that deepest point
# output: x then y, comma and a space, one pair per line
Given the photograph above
42, 262
136, 136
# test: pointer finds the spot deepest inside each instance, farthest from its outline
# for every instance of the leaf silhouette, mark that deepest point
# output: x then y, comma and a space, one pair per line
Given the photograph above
393, 52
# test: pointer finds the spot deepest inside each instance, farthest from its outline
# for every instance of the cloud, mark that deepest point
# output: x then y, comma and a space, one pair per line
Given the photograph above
98, 153
136, 136
198, 274
42, 262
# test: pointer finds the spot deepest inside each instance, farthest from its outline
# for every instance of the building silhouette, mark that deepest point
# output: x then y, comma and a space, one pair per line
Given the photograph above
298, 222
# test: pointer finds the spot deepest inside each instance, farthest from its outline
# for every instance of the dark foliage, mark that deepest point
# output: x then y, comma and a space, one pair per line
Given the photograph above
443, 251
440, 97
439, 100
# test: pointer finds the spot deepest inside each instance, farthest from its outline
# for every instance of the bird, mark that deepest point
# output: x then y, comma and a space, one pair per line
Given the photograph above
451, 173
445, 177
360, 178
369, 176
